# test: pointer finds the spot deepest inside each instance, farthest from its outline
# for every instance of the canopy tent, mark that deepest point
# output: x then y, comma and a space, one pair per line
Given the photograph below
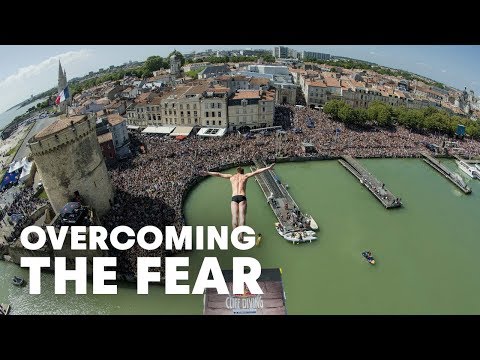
14, 166
182, 130
133, 127
26, 171
161, 130
212, 132
10, 178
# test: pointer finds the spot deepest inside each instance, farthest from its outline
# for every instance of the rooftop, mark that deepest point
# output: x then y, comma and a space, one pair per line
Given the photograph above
60, 124
115, 119
248, 94
104, 137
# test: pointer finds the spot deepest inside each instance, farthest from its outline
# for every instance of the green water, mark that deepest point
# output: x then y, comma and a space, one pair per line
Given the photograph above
427, 252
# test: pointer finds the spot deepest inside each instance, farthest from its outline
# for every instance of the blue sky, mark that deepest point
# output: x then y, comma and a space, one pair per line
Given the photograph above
30, 69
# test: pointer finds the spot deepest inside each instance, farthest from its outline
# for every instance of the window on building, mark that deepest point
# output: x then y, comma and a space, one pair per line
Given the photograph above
194, 113
188, 106
213, 113
206, 113
219, 114
181, 113
138, 110
149, 117
220, 123
174, 112
173, 105
154, 117
213, 122
189, 121
196, 121
219, 105
212, 105
181, 106
148, 108
194, 106
166, 104
208, 122
169, 112
182, 121
263, 109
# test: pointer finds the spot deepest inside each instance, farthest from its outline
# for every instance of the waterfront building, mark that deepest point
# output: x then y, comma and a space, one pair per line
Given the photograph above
314, 55
250, 109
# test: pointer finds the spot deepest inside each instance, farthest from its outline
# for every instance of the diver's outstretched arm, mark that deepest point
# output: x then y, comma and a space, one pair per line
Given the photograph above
217, 174
259, 171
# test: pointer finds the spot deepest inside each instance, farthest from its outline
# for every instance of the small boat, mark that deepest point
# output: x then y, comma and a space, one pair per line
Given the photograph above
4, 309
18, 281
369, 257
477, 166
313, 223
471, 171
298, 237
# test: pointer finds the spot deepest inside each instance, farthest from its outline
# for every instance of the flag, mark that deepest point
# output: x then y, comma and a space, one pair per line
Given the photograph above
62, 96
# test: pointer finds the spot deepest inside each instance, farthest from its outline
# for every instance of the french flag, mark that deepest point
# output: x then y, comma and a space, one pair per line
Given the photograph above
62, 96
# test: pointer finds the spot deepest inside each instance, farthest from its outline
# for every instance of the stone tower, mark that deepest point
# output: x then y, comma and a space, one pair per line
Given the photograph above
175, 65
69, 159
62, 84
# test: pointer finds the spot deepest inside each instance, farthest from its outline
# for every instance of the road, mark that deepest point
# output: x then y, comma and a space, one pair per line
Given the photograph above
40, 124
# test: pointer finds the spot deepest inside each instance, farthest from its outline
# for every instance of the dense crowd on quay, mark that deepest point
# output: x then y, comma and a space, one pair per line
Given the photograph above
150, 187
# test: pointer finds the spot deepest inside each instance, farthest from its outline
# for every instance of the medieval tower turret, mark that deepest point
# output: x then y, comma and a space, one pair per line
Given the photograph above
62, 84
69, 159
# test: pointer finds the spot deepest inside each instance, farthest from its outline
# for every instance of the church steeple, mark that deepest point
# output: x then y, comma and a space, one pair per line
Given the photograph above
60, 71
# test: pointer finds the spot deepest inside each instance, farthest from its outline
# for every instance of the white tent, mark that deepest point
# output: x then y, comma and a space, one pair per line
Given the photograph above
158, 130
211, 132
26, 171
182, 130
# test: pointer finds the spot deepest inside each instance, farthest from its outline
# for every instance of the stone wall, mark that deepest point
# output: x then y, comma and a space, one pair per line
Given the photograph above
71, 160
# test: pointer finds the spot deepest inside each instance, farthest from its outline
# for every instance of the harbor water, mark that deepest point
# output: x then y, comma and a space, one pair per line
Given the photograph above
427, 252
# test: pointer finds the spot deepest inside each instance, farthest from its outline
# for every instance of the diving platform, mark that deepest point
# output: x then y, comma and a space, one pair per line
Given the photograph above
271, 302
292, 224
455, 178
376, 187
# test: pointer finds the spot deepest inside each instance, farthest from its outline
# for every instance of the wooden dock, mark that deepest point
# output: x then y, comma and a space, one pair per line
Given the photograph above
455, 178
370, 182
271, 302
279, 199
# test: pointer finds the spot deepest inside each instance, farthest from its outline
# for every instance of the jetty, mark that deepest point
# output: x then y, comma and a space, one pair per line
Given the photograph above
286, 210
376, 187
455, 178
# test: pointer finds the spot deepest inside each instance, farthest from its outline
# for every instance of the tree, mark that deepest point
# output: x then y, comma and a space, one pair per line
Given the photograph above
268, 58
179, 55
347, 115
332, 107
153, 63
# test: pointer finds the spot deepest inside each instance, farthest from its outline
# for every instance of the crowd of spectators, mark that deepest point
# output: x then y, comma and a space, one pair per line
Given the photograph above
150, 187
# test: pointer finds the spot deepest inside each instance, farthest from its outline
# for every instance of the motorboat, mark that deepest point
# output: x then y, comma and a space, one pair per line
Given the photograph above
367, 255
18, 281
313, 224
471, 171
299, 237
4, 309
477, 166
